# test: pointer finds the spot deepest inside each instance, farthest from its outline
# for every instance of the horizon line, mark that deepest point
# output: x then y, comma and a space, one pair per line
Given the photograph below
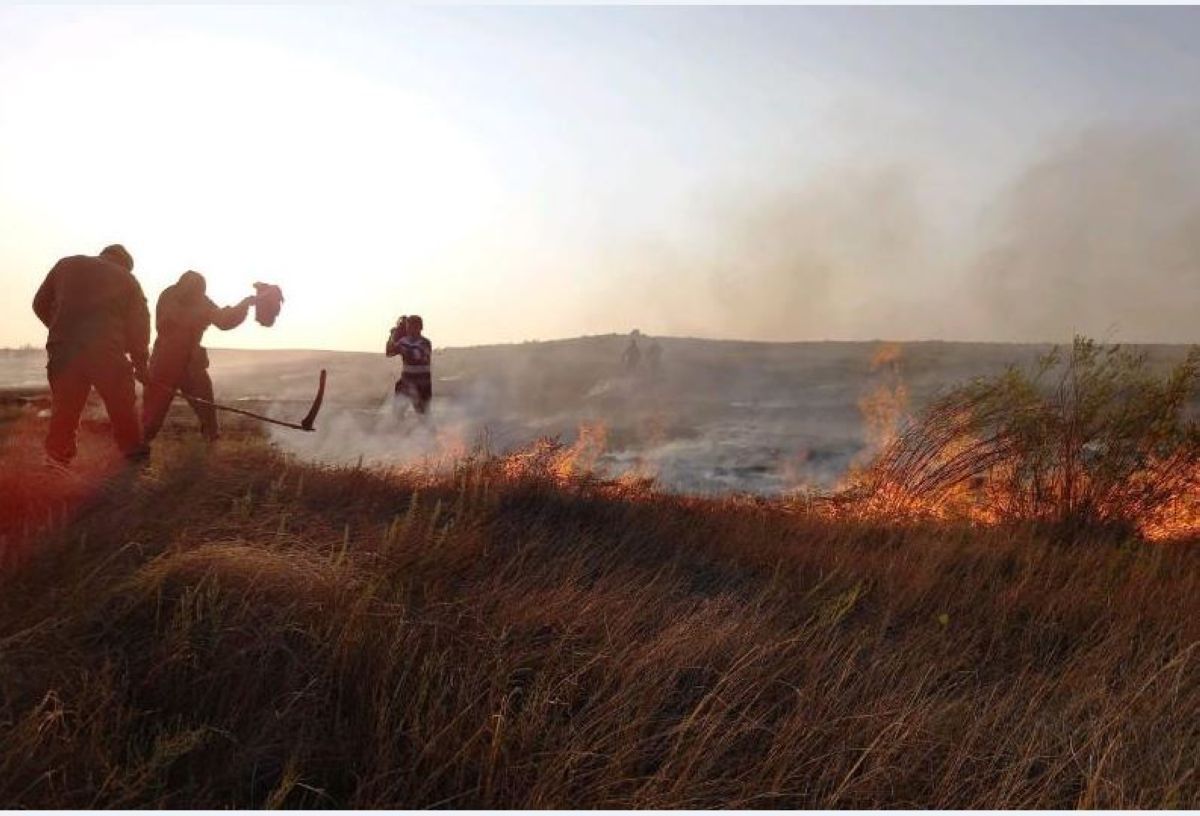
29, 347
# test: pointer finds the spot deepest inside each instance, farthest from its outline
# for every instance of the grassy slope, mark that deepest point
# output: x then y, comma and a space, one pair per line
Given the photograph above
229, 628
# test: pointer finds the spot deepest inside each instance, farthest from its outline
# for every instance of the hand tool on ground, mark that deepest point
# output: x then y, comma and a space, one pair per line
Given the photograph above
305, 424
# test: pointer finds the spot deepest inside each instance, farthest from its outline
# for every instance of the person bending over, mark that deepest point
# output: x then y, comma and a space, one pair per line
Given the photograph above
99, 333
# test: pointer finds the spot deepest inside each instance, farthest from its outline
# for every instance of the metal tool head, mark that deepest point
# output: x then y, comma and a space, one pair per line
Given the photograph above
311, 417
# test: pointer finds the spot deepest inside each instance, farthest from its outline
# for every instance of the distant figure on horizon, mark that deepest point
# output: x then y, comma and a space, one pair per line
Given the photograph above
181, 316
99, 337
632, 357
416, 355
654, 359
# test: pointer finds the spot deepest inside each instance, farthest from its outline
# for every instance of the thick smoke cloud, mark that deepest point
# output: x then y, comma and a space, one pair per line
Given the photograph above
1101, 237
1099, 234
835, 256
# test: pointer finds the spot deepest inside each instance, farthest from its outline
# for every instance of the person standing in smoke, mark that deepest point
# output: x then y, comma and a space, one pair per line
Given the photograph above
654, 359
632, 358
182, 315
416, 355
99, 336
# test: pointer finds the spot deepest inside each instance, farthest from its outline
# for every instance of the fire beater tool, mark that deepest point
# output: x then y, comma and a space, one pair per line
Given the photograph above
305, 424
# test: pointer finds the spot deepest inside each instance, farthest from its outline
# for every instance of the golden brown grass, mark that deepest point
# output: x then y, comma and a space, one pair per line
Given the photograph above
229, 628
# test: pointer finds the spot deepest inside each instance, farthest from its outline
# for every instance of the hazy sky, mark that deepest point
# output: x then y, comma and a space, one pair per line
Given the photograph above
521, 173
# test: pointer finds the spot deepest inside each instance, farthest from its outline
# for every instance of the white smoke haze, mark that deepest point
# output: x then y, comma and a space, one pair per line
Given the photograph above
838, 256
716, 417
719, 416
1097, 234
1100, 237
391, 434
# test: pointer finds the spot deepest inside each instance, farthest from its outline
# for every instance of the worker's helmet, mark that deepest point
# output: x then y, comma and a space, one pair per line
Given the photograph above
119, 255
415, 322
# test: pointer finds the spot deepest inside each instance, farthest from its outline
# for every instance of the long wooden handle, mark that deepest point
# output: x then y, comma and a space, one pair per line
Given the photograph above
244, 412
305, 425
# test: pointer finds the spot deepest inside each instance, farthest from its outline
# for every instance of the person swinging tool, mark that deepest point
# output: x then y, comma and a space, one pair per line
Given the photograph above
99, 333
178, 362
416, 354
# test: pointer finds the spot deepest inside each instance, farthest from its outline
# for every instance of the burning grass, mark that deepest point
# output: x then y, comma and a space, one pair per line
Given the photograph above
1089, 443
233, 628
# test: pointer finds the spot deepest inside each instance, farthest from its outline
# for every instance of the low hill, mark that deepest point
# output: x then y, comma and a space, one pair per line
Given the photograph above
713, 417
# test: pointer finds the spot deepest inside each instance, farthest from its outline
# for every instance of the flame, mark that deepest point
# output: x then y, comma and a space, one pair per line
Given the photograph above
961, 477
886, 353
994, 495
1176, 521
584, 454
882, 409
885, 406
1179, 518
576, 466
564, 464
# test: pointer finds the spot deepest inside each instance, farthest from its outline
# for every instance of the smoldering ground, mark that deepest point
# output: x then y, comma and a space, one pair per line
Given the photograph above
715, 417
719, 416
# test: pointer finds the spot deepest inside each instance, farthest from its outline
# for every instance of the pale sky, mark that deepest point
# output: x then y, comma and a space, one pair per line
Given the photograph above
532, 173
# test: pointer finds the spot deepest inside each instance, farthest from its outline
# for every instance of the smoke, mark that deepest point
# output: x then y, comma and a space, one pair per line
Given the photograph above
836, 256
1100, 234
1096, 234
391, 434
1099, 237
710, 417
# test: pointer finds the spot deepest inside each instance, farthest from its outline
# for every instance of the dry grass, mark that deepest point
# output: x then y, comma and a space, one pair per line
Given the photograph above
232, 629
1092, 443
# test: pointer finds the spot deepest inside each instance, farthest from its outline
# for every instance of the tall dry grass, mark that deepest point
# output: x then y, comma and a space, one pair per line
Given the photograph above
1090, 441
230, 628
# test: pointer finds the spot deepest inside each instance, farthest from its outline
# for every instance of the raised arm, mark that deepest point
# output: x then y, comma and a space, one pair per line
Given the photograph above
393, 342
230, 317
